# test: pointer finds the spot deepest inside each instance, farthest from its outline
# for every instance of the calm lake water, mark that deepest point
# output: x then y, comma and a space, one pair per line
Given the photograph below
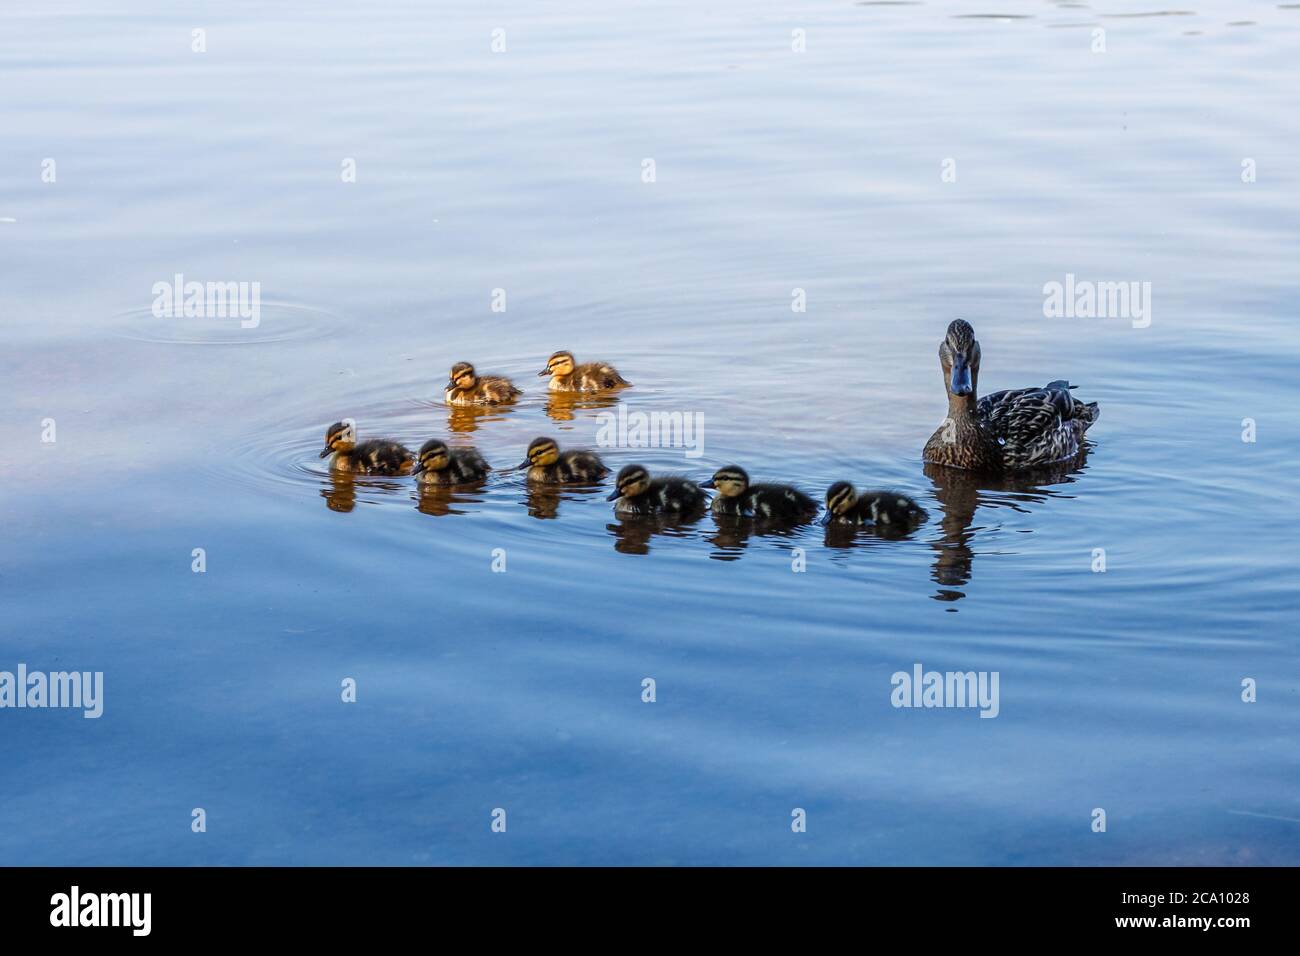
915, 163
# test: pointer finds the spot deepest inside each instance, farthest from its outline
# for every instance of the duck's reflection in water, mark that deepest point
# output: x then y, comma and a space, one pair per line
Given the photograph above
959, 495
438, 501
632, 533
341, 493
562, 406
732, 533
466, 418
543, 500
842, 534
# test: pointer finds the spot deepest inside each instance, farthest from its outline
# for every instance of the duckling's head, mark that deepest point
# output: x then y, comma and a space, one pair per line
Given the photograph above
730, 481
959, 354
631, 481
541, 453
462, 376
434, 456
341, 436
559, 364
840, 498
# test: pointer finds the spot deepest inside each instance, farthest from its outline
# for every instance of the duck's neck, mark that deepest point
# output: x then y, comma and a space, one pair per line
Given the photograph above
961, 406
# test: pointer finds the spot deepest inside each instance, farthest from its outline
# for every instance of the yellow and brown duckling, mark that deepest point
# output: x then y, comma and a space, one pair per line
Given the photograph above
467, 387
547, 464
639, 494
1008, 431
374, 456
889, 511
568, 376
736, 496
439, 464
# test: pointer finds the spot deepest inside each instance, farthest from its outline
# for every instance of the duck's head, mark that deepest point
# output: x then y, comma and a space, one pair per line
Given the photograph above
541, 453
730, 481
840, 499
631, 481
959, 354
558, 365
462, 376
434, 456
341, 436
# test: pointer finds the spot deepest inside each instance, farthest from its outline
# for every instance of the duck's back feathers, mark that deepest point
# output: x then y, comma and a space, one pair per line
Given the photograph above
597, 376
667, 494
1037, 426
776, 502
579, 465
890, 511
379, 456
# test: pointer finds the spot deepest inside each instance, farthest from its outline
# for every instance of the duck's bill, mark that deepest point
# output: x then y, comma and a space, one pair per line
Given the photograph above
825, 519
543, 373
960, 384
614, 495
325, 452
708, 484
417, 469
523, 464
450, 385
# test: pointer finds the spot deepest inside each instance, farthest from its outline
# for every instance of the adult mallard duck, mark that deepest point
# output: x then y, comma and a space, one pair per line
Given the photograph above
1011, 430
374, 456
736, 496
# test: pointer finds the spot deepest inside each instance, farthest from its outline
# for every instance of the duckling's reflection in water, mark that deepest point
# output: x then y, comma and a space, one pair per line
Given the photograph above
466, 418
341, 495
438, 501
732, 533
958, 493
632, 533
561, 406
543, 501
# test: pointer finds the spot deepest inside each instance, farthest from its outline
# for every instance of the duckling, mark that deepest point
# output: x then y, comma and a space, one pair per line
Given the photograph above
639, 494
587, 377
546, 463
374, 456
468, 388
440, 465
736, 496
889, 511
1008, 431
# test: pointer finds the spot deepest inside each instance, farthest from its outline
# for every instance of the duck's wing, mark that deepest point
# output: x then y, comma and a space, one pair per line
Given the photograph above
1037, 426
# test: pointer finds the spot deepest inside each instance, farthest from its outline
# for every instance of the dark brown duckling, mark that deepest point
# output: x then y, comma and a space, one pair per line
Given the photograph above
374, 456
736, 496
440, 465
467, 387
889, 511
639, 494
567, 376
547, 464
